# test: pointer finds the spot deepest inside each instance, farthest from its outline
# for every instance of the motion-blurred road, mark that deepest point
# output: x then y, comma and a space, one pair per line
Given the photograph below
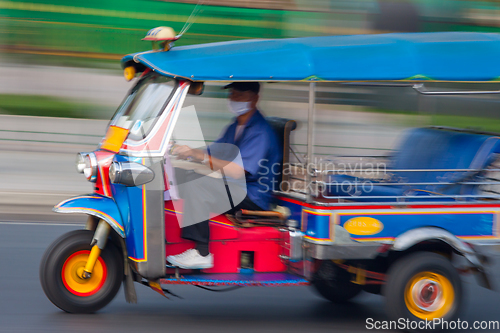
24, 307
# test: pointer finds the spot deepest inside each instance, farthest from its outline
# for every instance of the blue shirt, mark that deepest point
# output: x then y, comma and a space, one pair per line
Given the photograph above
260, 155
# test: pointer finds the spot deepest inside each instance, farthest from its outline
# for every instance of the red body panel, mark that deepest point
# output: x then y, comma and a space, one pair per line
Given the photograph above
102, 184
227, 242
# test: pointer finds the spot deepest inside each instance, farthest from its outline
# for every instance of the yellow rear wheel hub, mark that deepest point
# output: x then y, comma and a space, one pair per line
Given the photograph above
429, 295
72, 274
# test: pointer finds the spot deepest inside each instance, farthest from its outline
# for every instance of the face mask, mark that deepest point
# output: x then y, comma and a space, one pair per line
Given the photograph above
239, 108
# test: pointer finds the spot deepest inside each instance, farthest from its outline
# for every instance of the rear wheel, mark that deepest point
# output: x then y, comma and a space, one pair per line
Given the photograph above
334, 283
423, 286
61, 268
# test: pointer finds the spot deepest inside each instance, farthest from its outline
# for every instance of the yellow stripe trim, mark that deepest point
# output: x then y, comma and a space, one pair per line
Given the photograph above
478, 237
374, 239
316, 213
318, 239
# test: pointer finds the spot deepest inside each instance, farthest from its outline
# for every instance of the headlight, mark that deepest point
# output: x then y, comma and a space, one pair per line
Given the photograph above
130, 174
90, 169
80, 162
114, 172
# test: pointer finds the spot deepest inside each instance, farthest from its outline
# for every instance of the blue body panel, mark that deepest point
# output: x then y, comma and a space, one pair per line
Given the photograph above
441, 56
130, 203
313, 225
465, 225
96, 205
469, 224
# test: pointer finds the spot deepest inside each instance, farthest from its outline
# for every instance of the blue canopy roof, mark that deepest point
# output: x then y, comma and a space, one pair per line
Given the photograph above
444, 56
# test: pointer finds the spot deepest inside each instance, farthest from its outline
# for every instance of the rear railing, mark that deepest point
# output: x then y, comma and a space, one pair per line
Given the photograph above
467, 184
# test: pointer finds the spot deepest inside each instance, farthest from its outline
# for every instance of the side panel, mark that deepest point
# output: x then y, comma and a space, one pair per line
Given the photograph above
95, 205
369, 223
385, 225
317, 226
145, 229
227, 242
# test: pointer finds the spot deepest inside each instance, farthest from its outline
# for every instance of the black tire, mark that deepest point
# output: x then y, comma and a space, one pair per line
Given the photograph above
51, 278
423, 266
334, 283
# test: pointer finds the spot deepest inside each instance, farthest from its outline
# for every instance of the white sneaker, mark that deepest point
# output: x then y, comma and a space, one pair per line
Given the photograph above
192, 259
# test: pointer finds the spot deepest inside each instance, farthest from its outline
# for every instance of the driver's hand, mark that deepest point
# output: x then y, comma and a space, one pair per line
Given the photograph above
182, 152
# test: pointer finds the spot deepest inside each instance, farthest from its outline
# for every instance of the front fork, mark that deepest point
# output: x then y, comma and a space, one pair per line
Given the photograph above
98, 243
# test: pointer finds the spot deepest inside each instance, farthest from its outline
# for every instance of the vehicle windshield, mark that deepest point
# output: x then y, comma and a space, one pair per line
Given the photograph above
146, 102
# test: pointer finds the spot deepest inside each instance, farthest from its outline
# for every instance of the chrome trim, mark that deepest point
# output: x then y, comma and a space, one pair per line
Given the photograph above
420, 88
96, 214
80, 161
310, 139
92, 222
301, 197
130, 174
115, 170
415, 236
93, 168
101, 234
295, 245
334, 252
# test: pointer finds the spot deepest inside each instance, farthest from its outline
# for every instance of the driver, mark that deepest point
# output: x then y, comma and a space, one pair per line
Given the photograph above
258, 146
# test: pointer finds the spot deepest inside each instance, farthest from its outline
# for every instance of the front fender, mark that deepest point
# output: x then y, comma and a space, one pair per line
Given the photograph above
95, 205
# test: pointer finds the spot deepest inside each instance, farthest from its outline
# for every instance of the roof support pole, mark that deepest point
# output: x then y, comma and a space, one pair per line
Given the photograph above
310, 141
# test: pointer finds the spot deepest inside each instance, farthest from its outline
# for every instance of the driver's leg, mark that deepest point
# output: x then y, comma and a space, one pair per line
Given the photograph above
201, 195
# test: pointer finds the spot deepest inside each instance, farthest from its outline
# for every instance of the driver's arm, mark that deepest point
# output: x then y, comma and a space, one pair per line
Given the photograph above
230, 169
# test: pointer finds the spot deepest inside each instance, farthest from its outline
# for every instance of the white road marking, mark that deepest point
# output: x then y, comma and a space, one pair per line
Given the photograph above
42, 223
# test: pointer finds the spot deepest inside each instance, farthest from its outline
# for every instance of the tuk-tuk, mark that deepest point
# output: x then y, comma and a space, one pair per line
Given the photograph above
396, 233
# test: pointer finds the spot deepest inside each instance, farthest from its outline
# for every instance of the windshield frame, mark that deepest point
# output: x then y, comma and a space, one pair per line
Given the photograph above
125, 105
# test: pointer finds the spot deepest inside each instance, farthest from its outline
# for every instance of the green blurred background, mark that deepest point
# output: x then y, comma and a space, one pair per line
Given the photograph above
110, 28
94, 35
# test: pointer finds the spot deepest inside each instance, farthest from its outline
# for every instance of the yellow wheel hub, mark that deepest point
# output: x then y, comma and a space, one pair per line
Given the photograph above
72, 274
429, 295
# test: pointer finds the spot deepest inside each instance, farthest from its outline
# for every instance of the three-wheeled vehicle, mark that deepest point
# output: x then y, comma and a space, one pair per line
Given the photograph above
397, 233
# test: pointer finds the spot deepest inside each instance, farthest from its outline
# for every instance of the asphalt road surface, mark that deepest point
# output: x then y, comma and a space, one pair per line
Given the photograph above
24, 307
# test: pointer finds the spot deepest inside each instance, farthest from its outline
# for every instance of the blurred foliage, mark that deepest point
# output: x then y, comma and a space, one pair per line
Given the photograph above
412, 118
475, 123
108, 29
97, 33
47, 106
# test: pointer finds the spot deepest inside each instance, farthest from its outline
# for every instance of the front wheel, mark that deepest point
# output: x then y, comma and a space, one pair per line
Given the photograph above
423, 286
61, 267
